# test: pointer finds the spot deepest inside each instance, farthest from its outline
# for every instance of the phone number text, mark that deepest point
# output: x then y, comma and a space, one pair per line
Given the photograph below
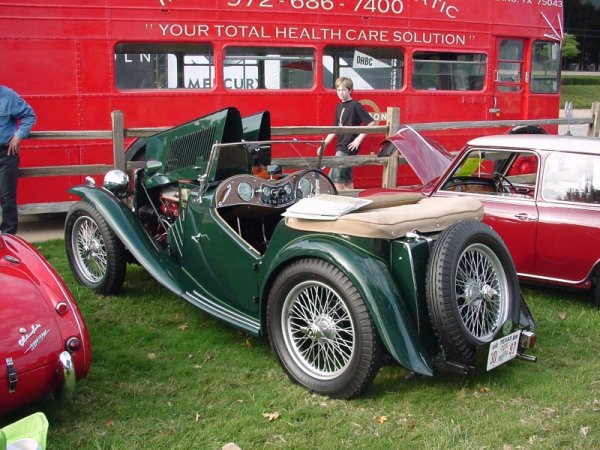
380, 6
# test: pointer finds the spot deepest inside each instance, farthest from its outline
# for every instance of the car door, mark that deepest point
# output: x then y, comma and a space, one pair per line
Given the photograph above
512, 214
219, 260
509, 82
569, 223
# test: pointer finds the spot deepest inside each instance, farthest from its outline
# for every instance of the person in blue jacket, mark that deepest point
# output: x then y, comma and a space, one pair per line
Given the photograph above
16, 120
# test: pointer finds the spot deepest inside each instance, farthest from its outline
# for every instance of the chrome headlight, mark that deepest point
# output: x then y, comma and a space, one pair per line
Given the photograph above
117, 182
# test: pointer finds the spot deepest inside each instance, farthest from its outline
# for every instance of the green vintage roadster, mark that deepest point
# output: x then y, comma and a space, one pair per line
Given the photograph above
421, 280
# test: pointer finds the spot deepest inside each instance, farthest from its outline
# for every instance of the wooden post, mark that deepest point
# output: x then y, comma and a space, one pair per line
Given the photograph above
390, 171
594, 127
393, 121
118, 138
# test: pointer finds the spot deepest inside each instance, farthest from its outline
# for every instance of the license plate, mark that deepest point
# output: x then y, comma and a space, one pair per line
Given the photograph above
503, 350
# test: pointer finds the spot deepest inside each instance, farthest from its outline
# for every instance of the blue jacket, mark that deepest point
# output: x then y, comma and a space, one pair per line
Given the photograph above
16, 115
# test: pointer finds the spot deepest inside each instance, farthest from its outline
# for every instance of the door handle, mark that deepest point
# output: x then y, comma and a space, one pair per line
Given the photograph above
494, 109
522, 216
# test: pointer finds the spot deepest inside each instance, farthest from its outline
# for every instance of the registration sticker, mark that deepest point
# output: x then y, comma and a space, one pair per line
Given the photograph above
503, 349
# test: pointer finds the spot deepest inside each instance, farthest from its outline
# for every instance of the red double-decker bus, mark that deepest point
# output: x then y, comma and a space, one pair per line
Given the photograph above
164, 62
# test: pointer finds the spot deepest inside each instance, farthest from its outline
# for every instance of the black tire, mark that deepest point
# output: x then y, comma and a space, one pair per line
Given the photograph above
321, 331
97, 257
472, 288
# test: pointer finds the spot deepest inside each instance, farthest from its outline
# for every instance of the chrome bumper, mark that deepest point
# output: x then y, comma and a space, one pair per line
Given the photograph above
67, 388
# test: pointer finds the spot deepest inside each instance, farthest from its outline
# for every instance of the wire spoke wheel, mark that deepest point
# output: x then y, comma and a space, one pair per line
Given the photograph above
481, 284
317, 327
97, 257
472, 288
90, 254
321, 331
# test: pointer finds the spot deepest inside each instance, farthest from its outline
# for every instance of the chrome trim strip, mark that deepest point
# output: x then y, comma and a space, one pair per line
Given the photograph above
531, 277
221, 312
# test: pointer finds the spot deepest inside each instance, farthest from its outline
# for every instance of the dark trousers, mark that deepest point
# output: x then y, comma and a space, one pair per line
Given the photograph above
9, 171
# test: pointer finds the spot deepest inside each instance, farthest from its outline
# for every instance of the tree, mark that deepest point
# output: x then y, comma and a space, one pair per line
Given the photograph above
570, 47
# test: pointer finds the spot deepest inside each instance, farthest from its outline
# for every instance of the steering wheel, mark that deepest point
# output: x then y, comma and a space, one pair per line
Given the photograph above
500, 180
461, 184
311, 181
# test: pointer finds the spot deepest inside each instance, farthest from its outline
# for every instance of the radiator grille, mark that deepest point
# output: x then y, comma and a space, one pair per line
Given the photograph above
193, 149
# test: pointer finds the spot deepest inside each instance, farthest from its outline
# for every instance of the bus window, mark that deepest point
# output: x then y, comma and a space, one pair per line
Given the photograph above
268, 68
164, 66
510, 65
369, 68
545, 72
448, 71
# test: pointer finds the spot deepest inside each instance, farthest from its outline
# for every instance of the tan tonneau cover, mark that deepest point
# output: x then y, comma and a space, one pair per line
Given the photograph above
424, 215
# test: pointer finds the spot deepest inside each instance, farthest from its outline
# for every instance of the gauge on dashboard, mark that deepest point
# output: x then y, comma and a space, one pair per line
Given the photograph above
245, 191
305, 186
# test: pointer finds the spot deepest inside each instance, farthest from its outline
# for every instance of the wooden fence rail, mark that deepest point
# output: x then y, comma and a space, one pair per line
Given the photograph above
118, 134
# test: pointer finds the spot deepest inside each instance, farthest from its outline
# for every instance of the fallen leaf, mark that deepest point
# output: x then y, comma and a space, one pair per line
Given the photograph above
183, 327
151, 356
583, 431
411, 424
108, 423
248, 342
484, 390
562, 315
380, 419
272, 416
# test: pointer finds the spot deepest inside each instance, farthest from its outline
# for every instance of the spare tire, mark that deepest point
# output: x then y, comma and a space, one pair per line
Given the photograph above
472, 288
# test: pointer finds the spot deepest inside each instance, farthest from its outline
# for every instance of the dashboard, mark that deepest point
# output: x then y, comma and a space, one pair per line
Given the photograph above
275, 193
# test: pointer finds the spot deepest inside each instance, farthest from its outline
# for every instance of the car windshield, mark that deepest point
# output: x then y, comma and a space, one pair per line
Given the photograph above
255, 157
485, 171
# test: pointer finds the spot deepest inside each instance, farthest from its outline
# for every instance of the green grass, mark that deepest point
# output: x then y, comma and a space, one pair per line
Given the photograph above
582, 96
582, 91
167, 376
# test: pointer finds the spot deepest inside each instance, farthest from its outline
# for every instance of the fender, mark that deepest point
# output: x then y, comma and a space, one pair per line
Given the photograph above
129, 230
375, 284
167, 272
